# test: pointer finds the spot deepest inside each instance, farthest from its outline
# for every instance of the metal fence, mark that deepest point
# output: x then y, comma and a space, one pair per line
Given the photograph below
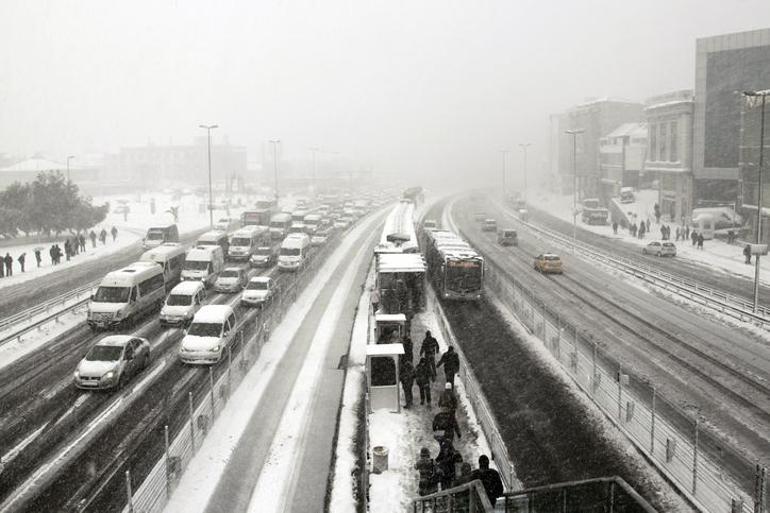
715, 482
466, 498
180, 447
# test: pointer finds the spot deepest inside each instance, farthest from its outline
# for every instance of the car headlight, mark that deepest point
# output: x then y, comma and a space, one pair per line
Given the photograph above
109, 375
77, 374
215, 348
118, 314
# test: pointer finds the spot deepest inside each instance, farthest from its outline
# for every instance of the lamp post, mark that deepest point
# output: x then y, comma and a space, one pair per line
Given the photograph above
758, 237
524, 147
275, 143
208, 129
69, 157
574, 133
504, 152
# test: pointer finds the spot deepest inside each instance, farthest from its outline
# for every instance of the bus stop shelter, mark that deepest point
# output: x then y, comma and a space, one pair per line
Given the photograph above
382, 376
401, 276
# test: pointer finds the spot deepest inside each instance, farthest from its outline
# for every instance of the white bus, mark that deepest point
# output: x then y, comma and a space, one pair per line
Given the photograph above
125, 295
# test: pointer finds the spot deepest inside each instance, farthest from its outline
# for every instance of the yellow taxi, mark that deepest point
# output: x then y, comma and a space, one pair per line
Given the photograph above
548, 263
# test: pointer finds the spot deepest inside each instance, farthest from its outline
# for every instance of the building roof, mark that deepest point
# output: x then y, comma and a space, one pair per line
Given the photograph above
630, 130
35, 165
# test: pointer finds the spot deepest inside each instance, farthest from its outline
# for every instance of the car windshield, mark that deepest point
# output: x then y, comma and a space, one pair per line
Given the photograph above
207, 243
262, 251
257, 285
152, 235
551, 258
229, 273
205, 329
104, 354
277, 224
240, 241
290, 251
112, 294
179, 300
668, 244
195, 265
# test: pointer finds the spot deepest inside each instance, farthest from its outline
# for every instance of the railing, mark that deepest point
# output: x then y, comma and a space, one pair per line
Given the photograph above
728, 304
467, 498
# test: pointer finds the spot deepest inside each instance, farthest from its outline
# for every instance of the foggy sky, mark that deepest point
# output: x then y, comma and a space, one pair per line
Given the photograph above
433, 87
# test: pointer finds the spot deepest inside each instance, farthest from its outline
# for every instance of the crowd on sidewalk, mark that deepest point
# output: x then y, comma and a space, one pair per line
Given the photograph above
72, 246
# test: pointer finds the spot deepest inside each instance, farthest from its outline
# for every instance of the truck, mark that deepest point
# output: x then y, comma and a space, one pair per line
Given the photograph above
593, 213
257, 217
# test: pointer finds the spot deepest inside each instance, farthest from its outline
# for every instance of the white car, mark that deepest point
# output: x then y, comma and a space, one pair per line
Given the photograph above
258, 291
181, 304
660, 248
210, 333
232, 279
342, 222
112, 361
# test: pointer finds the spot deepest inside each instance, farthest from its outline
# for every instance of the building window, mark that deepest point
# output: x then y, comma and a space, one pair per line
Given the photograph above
662, 142
653, 142
674, 150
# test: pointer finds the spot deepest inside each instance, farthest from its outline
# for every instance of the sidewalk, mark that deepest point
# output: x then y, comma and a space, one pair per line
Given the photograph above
716, 254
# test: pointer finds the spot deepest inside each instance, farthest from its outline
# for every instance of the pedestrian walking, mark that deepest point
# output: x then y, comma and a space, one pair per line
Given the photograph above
642, 229
686, 233
615, 227
676, 233
451, 362
82, 241
647, 228
428, 481
38, 257
103, 236
445, 461
422, 376
464, 476
8, 264
52, 254
375, 298
92, 236
663, 231
700, 241
2, 267
445, 425
406, 375
428, 349
747, 253
21, 258
448, 399
408, 349
67, 249
490, 478
694, 237
114, 232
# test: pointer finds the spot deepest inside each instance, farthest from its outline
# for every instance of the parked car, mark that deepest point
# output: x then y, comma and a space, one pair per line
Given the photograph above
548, 263
660, 248
112, 362
258, 291
232, 279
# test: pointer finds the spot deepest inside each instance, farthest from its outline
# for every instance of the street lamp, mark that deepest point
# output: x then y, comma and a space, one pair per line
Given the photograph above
208, 129
758, 237
524, 147
275, 143
574, 133
69, 157
504, 152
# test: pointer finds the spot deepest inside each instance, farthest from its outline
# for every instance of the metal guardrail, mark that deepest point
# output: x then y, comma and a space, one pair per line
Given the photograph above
723, 302
467, 498
50, 310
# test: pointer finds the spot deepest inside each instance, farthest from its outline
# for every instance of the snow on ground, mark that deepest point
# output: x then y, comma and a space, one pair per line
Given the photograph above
716, 254
202, 475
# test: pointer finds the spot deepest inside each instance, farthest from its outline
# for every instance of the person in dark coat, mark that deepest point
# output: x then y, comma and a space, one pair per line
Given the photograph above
677, 233
422, 376
8, 264
747, 253
2, 268
448, 399
700, 241
82, 241
694, 237
52, 254
428, 350
114, 232
38, 257
445, 461
408, 349
642, 229
103, 236
445, 425
451, 362
406, 375
428, 482
67, 249
615, 227
464, 476
75, 245
490, 478
92, 236
21, 258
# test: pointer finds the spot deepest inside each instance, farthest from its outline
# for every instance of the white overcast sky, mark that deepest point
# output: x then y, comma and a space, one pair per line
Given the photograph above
408, 86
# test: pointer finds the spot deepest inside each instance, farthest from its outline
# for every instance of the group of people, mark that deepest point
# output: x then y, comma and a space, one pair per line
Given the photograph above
73, 246
424, 373
449, 470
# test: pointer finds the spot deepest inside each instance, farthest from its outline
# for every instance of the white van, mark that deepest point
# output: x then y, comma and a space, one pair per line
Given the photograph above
211, 332
244, 242
157, 235
312, 223
181, 304
170, 256
203, 264
294, 249
279, 225
125, 295
214, 238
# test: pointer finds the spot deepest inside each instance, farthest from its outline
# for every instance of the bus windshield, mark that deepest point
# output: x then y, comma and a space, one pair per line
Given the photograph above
464, 276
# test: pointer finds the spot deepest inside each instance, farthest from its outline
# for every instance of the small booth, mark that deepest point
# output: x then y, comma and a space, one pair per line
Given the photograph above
382, 376
401, 281
389, 328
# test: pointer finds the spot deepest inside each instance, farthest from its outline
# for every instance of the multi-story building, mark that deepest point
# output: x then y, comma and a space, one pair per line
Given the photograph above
751, 133
669, 151
621, 159
726, 65
596, 118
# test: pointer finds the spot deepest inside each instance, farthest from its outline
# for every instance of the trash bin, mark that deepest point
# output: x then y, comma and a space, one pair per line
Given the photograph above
379, 459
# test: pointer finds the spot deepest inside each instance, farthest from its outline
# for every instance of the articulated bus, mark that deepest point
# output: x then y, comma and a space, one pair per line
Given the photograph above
454, 267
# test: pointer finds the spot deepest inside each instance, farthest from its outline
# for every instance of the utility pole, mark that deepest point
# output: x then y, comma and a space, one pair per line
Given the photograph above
574, 133
758, 237
504, 152
275, 143
208, 129
524, 147
69, 157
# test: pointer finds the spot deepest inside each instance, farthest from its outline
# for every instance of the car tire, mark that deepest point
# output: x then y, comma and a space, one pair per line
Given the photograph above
145, 362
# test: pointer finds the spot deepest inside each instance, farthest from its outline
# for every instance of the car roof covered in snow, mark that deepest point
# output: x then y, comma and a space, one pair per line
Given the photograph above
188, 288
260, 279
213, 313
115, 340
400, 263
